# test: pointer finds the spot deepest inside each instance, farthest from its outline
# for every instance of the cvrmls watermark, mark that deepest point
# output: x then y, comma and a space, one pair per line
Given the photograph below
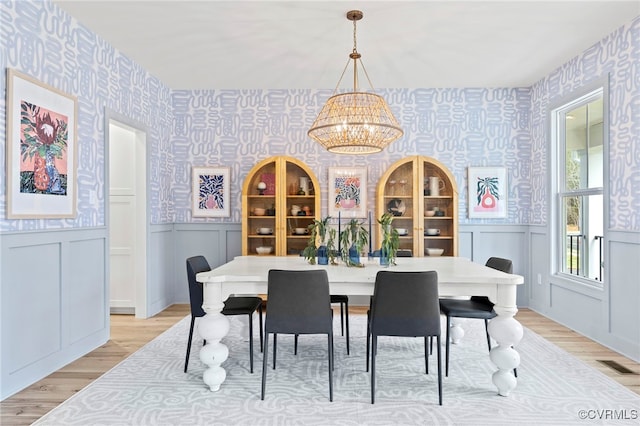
606, 414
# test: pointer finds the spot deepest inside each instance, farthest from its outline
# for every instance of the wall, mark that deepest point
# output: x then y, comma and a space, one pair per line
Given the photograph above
53, 295
608, 314
459, 127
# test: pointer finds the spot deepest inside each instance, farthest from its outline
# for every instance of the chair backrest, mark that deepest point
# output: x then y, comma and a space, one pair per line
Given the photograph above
406, 304
399, 253
195, 265
504, 265
500, 264
298, 302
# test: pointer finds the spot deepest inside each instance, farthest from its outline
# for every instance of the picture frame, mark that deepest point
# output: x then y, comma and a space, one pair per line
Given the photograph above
211, 191
347, 192
41, 140
487, 192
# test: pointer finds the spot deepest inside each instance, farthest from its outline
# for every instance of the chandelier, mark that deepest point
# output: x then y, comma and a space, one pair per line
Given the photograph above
355, 122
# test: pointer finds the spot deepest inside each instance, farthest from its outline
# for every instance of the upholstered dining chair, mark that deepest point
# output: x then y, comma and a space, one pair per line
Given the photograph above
404, 304
235, 305
299, 303
343, 300
479, 307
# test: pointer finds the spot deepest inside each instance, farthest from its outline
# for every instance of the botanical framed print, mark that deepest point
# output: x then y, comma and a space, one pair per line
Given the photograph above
211, 191
487, 192
41, 149
347, 192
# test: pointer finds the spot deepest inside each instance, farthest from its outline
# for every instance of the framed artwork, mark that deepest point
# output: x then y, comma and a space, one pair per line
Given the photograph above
487, 192
347, 192
211, 192
41, 149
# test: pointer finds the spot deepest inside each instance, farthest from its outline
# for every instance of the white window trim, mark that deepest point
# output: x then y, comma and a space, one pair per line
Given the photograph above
556, 126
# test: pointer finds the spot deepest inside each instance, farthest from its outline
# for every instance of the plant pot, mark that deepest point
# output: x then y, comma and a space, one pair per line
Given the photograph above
323, 255
384, 258
354, 255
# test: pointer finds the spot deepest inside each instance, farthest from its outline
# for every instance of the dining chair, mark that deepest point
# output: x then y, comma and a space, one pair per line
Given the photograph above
343, 300
299, 303
478, 307
404, 304
234, 305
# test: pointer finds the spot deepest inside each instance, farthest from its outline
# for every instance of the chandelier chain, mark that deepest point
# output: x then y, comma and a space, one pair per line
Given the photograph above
355, 45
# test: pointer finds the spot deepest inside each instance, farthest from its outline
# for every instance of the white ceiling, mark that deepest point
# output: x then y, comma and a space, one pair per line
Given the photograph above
266, 44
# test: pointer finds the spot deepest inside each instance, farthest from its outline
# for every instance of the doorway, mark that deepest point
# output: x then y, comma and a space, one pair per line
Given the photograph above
127, 218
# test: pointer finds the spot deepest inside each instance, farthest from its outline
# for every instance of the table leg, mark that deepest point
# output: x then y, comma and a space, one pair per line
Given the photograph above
507, 332
213, 327
456, 332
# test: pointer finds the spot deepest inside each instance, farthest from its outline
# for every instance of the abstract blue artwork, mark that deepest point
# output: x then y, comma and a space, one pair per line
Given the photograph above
210, 192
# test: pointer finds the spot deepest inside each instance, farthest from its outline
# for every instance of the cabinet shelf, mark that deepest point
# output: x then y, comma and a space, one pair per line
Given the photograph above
283, 175
415, 172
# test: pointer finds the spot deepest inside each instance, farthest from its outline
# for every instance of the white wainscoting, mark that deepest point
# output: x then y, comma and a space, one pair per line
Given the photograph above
55, 307
218, 242
609, 315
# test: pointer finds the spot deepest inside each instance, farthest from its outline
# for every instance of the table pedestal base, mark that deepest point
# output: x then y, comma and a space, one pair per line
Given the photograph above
508, 332
212, 328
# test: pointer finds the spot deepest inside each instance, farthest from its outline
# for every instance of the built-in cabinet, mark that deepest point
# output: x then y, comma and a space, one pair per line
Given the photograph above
408, 190
277, 213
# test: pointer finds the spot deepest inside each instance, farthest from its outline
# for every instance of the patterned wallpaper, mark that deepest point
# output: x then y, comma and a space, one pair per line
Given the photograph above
459, 127
237, 128
619, 56
40, 40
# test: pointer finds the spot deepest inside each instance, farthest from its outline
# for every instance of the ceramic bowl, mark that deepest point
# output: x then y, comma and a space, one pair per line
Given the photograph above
434, 251
264, 231
264, 250
259, 211
300, 231
402, 231
430, 213
432, 231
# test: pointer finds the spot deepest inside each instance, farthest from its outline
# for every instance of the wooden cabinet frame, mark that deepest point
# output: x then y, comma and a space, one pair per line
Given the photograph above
404, 184
285, 173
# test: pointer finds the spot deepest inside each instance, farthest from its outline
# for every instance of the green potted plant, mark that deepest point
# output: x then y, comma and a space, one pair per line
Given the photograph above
352, 240
318, 246
390, 240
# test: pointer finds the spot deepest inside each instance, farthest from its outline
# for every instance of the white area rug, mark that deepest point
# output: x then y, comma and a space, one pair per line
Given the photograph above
150, 388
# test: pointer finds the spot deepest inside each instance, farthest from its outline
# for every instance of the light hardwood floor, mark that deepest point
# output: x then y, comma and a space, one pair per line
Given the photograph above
128, 334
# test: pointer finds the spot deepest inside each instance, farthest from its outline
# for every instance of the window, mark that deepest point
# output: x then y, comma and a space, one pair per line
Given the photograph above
580, 162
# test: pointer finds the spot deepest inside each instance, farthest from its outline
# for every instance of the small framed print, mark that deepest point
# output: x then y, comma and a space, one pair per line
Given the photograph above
347, 192
487, 192
41, 149
211, 191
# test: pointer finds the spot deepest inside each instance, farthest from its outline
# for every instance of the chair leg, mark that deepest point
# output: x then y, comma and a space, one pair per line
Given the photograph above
264, 364
342, 319
251, 343
295, 344
331, 364
447, 347
430, 345
275, 345
368, 341
186, 360
347, 321
486, 329
439, 372
374, 344
261, 327
426, 355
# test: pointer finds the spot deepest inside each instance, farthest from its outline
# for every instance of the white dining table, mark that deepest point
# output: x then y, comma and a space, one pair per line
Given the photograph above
457, 276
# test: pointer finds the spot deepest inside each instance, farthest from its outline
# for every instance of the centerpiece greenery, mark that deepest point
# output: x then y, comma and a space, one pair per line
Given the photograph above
390, 240
318, 244
352, 240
